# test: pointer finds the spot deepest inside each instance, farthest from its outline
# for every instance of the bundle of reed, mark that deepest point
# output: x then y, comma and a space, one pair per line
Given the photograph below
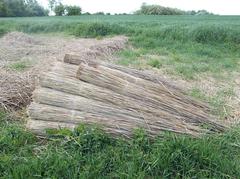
86, 55
117, 100
77, 60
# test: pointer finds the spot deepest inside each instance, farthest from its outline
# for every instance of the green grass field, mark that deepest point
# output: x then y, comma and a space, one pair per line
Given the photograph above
190, 48
89, 153
193, 44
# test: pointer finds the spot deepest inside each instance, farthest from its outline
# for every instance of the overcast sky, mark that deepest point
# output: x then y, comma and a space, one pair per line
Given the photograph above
223, 7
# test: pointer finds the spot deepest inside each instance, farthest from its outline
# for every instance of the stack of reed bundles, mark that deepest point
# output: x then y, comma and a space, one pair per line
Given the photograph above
117, 98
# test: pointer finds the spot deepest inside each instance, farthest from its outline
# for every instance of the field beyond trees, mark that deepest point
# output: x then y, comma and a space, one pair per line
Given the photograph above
198, 53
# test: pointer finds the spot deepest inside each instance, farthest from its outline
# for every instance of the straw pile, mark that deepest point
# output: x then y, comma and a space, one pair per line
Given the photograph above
109, 47
16, 89
117, 98
102, 51
37, 54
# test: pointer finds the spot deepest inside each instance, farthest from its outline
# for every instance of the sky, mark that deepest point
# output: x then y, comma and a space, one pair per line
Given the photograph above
221, 7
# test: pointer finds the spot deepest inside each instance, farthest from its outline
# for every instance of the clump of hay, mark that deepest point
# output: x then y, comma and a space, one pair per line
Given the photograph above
110, 46
15, 89
102, 51
19, 38
17, 45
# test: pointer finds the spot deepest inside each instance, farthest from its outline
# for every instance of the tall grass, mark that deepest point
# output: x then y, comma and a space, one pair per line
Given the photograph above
2, 31
97, 29
207, 29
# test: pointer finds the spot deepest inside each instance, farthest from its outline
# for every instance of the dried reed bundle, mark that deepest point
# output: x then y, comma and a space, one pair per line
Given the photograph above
112, 124
85, 56
77, 60
157, 96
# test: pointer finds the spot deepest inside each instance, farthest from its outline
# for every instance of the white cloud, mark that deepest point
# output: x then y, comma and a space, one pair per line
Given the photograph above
223, 7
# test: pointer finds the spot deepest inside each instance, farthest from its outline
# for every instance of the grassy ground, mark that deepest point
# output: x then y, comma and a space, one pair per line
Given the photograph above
193, 45
19, 66
89, 153
186, 47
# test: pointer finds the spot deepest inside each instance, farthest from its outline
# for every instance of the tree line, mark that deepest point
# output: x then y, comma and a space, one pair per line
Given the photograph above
161, 10
21, 8
59, 9
28, 8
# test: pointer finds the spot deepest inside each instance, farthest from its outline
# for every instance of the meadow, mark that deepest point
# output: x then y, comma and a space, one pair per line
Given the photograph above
189, 48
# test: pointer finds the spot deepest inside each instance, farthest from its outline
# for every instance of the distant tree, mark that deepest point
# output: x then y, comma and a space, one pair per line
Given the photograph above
161, 10
99, 13
158, 10
59, 9
86, 13
15, 8
191, 12
34, 9
73, 10
203, 12
108, 13
3, 9
20, 8
123, 14
52, 4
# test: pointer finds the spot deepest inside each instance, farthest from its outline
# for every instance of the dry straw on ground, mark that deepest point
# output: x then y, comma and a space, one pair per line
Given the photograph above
16, 87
